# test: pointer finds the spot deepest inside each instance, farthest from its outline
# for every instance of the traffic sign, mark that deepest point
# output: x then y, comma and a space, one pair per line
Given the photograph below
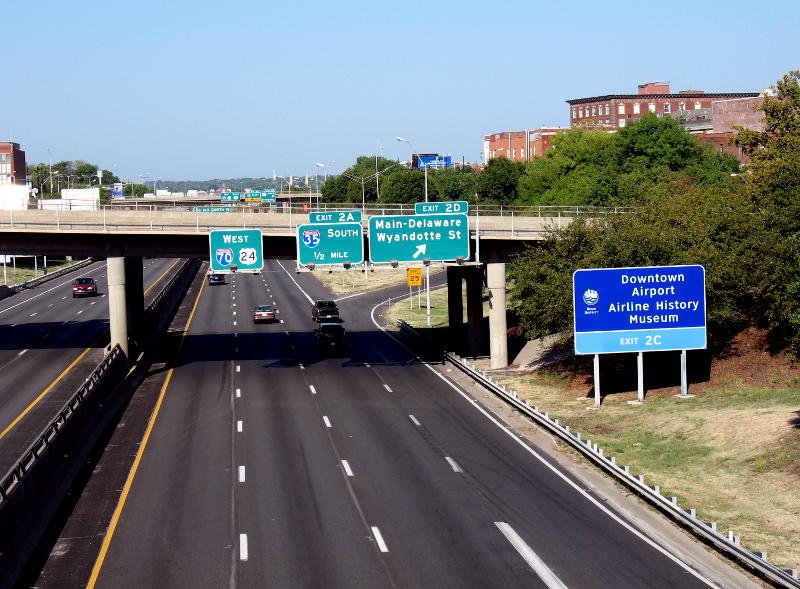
334, 217
411, 238
653, 308
414, 276
212, 209
269, 196
426, 208
230, 196
235, 250
330, 243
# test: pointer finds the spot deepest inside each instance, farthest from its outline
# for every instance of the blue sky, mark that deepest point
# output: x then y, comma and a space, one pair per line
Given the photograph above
196, 90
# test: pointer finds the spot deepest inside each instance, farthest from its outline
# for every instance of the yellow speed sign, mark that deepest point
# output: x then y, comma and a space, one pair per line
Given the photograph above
414, 276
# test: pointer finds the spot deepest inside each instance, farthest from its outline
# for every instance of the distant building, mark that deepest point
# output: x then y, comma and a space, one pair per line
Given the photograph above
614, 111
12, 164
513, 145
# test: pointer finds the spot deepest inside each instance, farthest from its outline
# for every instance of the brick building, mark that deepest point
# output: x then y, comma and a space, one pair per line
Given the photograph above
12, 164
614, 111
512, 144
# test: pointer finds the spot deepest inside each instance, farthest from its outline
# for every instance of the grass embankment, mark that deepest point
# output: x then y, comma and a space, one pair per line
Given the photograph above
25, 270
351, 281
414, 312
732, 452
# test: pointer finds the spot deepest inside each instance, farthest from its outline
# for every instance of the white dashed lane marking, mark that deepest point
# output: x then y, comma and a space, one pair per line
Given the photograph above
453, 464
242, 546
347, 469
326, 420
379, 539
414, 420
386, 386
241, 474
239, 426
238, 393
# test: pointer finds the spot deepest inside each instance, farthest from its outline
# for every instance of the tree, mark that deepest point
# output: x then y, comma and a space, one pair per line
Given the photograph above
677, 222
452, 184
774, 175
403, 186
498, 181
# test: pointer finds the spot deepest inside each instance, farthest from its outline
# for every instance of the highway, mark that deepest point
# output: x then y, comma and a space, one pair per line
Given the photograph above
48, 345
267, 464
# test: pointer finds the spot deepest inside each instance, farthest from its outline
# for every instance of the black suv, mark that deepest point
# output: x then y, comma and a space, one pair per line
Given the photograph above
324, 311
329, 335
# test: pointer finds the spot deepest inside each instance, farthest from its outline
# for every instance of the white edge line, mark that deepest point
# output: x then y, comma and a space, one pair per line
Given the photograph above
310, 300
242, 546
526, 552
379, 539
557, 472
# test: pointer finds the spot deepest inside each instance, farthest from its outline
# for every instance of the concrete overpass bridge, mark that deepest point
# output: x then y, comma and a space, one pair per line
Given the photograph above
125, 236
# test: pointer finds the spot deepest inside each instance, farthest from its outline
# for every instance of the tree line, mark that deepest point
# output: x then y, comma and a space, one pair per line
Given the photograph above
690, 206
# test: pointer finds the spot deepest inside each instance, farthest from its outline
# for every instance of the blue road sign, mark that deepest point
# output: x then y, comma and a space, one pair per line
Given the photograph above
330, 243
411, 238
427, 208
647, 309
334, 217
242, 248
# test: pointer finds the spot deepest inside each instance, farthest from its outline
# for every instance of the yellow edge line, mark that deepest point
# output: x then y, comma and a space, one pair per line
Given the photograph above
98, 564
149, 288
35, 402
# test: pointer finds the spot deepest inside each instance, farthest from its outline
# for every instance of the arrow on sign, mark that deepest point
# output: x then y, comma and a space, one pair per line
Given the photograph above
420, 250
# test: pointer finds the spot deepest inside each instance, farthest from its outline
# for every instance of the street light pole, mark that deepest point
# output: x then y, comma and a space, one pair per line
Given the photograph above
424, 167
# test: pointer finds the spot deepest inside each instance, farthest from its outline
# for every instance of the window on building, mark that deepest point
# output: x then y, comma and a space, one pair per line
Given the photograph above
697, 105
5, 168
621, 123
514, 153
574, 113
651, 107
522, 153
4, 157
636, 108
594, 111
608, 109
621, 108
580, 113
682, 106
667, 108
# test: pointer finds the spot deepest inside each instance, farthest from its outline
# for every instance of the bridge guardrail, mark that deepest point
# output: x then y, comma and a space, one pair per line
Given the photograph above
729, 544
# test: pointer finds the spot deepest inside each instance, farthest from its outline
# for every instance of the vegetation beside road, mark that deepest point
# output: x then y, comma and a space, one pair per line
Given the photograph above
25, 270
732, 452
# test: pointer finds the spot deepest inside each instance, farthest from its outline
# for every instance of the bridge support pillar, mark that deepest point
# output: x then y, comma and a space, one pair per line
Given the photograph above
134, 299
498, 339
455, 309
117, 306
474, 278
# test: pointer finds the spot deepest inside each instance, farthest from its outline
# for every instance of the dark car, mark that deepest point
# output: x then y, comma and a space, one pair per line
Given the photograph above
324, 310
216, 279
84, 286
264, 313
329, 335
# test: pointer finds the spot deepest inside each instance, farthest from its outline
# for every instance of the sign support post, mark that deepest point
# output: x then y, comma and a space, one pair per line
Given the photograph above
640, 376
597, 380
428, 294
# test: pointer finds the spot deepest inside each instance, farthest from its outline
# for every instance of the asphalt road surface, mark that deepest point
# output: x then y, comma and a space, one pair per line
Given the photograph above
268, 463
45, 334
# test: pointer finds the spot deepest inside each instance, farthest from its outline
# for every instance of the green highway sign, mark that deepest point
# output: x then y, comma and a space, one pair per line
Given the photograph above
330, 243
235, 250
230, 196
269, 196
412, 238
335, 217
212, 209
427, 208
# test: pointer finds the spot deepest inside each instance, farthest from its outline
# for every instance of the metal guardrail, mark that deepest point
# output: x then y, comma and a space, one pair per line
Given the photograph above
729, 544
29, 457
